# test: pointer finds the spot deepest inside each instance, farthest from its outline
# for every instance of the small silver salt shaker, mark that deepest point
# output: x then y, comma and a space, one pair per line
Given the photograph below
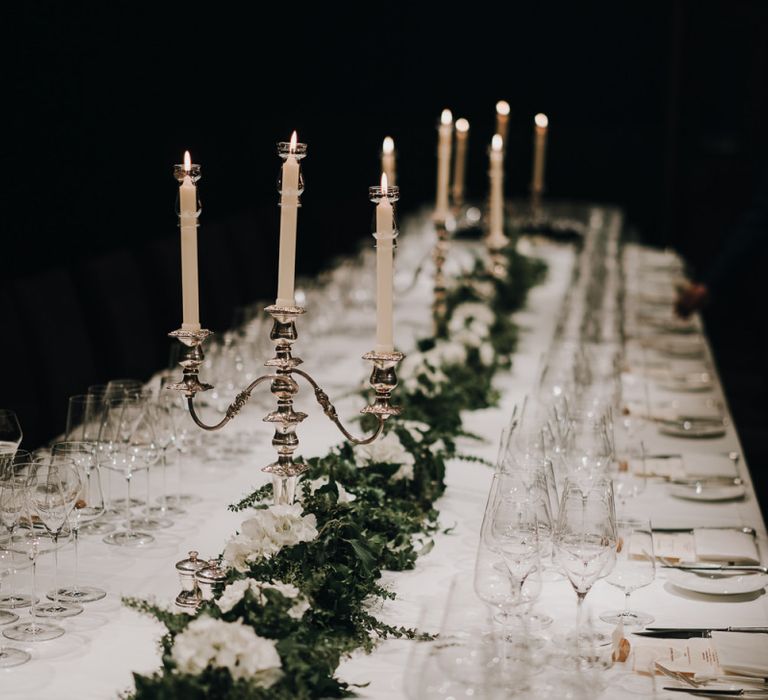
210, 579
190, 593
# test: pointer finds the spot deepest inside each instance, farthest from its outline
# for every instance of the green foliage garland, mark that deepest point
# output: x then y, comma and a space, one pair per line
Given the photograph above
370, 516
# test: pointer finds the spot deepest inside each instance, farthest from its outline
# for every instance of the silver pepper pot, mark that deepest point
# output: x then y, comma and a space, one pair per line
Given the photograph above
210, 580
190, 593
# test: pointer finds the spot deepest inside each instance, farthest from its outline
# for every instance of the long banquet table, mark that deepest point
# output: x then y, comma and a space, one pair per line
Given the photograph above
106, 643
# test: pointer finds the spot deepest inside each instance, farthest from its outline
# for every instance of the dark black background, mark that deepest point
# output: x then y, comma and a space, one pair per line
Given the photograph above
659, 107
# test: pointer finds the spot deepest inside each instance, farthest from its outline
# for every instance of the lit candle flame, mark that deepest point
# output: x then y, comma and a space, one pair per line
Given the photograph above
462, 125
384, 184
389, 145
292, 145
502, 107
446, 117
541, 120
187, 162
497, 142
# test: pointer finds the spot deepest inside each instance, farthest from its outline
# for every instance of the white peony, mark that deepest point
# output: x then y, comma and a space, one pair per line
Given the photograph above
235, 591
471, 313
450, 353
404, 472
468, 337
415, 429
437, 447
487, 354
267, 532
232, 645
385, 450
344, 495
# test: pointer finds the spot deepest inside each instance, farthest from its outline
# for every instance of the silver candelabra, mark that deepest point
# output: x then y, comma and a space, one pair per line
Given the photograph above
283, 378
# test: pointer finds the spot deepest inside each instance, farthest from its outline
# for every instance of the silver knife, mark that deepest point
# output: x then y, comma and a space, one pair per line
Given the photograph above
715, 692
690, 632
718, 567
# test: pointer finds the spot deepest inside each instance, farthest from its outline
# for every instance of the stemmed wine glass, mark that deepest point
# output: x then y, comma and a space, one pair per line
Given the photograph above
116, 452
164, 422
635, 567
54, 493
585, 536
89, 506
9, 656
146, 452
14, 482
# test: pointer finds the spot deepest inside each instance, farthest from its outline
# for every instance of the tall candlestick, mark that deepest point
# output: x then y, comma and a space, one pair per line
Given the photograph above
290, 189
385, 235
496, 238
460, 162
187, 175
388, 159
445, 132
502, 119
541, 124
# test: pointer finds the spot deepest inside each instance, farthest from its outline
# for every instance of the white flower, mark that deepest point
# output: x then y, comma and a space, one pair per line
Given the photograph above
267, 533
471, 313
450, 353
385, 450
466, 336
344, 495
231, 645
235, 591
487, 354
404, 472
484, 288
411, 366
437, 447
415, 429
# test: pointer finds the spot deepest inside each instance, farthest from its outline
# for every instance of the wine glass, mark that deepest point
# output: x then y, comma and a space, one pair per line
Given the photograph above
30, 541
54, 492
10, 436
89, 506
84, 416
116, 452
146, 452
509, 547
635, 567
585, 537
9, 656
14, 482
164, 422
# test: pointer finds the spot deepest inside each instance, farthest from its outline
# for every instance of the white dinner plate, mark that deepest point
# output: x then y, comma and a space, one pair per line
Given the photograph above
708, 493
717, 584
692, 429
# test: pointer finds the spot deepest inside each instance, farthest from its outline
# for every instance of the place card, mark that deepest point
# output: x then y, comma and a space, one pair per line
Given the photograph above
742, 652
696, 655
679, 546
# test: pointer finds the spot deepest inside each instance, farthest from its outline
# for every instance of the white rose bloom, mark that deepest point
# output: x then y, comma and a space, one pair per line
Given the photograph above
231, 645
471, 313
315, 484
451, 353
267, 532
234, 593
484, 289
415, 429
437, 447
411, 366
404, 472
487, 354
467, 337
386, 450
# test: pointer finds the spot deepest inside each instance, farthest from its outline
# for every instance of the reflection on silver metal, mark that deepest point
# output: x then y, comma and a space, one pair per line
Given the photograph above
284, 388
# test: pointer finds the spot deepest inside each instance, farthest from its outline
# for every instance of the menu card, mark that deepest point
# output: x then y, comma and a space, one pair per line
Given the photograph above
696, 655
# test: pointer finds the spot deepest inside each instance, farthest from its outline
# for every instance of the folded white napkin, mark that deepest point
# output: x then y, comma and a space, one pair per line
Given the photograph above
725, 545
706, 465
742, 652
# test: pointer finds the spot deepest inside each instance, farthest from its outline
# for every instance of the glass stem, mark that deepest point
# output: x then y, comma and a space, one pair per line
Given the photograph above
55, 539
164, 466
128, 502
579, 606
33, 603
149, 505
76, 533
625, 614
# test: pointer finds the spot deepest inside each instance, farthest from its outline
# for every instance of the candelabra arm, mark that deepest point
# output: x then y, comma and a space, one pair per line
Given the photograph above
330, 410
234, 408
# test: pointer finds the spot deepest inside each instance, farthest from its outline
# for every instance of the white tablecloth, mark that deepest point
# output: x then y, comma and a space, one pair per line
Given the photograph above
94, 660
